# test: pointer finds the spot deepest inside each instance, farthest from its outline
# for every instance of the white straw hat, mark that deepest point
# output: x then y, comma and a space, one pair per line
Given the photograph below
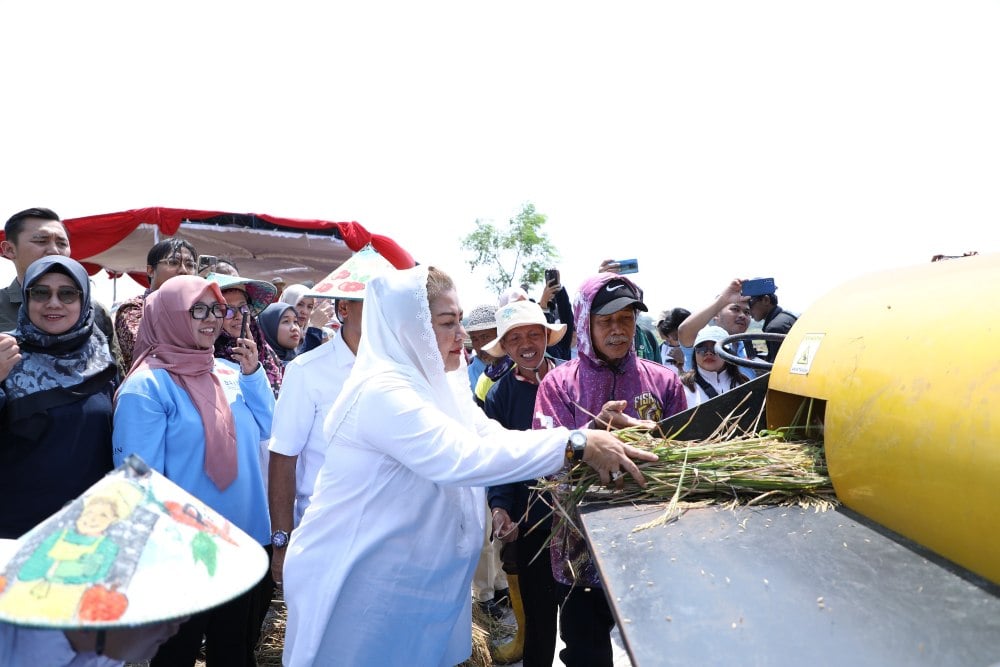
349, 280
518, 314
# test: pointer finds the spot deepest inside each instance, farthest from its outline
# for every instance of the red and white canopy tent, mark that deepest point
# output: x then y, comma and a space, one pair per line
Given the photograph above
263, 246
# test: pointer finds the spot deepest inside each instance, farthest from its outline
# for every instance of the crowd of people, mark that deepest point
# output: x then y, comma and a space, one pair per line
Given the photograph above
381, 445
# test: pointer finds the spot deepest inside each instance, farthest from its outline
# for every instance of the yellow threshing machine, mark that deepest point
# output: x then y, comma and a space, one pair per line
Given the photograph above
902, 374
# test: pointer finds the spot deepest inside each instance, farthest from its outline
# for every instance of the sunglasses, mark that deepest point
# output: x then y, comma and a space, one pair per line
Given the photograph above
705, 349
42, 294
231, 312
200, 311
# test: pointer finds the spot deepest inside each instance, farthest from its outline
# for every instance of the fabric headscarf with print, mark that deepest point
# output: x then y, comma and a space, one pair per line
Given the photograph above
166, 340
55, 369
269, 319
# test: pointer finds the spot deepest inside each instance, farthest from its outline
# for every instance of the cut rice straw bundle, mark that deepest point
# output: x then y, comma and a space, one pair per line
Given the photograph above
765, 468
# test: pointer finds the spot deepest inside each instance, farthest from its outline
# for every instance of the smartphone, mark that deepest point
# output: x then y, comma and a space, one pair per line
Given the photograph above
552, 277
757, 286
243, 329
207, 262
628, 265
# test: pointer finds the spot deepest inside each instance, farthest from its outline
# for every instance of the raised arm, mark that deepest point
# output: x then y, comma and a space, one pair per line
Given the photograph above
695, 322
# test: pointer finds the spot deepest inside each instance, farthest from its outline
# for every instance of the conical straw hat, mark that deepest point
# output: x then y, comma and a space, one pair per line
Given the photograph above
348, 281
133, 549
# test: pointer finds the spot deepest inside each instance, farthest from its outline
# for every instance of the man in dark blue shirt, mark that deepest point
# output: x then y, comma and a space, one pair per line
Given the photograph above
520, 517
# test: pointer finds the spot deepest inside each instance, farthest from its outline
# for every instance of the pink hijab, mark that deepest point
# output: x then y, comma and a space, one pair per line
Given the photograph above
165, 340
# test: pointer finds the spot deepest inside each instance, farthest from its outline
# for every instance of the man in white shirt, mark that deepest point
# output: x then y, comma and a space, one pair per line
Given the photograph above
309, 389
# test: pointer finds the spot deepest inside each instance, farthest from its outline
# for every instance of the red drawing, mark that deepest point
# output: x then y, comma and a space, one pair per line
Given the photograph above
100, 603
190, 516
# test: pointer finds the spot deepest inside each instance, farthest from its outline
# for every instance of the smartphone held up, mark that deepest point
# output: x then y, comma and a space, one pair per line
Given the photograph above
757, 286
627, 265
245, 315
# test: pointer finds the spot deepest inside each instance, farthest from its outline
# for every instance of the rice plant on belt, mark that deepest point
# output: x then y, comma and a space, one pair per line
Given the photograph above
767, 467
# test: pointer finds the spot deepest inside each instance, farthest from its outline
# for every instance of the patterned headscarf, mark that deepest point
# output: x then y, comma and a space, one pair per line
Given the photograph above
51, 361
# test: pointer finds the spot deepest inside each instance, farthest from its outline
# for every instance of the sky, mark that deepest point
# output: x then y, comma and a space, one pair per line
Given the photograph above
806, 141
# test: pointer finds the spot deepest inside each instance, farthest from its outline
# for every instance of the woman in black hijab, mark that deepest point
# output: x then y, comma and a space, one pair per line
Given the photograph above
281, 331
56, 400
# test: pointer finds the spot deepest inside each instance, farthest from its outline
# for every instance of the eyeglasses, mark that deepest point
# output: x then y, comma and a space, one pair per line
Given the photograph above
42, 294
705, 349
231, 312
176, 263
200, 311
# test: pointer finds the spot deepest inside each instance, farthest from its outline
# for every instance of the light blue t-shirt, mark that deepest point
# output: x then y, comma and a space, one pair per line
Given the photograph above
156, 419
476, 368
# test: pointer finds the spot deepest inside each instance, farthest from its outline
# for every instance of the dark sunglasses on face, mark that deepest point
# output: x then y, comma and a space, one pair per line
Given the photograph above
42, 294
705, 349
231, 312
200, 311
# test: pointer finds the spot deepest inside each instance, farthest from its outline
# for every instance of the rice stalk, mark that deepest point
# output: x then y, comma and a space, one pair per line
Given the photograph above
749, 469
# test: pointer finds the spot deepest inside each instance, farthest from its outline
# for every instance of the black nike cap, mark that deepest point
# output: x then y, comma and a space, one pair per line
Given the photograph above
615, 295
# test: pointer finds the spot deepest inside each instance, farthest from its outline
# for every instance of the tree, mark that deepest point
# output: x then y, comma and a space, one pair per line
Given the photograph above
522, 250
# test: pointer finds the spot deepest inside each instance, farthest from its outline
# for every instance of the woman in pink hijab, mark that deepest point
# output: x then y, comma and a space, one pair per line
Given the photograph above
198, 420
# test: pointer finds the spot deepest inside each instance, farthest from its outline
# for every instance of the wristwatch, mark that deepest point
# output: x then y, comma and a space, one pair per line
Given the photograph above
279, 539
575, 445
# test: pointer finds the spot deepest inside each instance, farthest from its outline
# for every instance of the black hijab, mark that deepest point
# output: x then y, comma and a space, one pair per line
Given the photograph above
55, 369
269, 319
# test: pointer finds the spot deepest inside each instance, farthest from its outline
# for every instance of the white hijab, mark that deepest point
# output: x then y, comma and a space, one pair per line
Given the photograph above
398, 347
293, 294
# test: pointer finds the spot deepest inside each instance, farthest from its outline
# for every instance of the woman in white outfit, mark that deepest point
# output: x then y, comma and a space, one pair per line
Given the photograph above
378, 572
711, 375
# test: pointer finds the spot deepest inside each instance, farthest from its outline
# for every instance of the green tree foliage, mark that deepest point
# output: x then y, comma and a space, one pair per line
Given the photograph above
522, 251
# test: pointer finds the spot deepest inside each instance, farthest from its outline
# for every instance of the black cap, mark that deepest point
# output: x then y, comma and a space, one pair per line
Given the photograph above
615, 295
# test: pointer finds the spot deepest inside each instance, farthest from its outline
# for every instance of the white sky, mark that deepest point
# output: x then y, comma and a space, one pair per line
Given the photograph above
808, 141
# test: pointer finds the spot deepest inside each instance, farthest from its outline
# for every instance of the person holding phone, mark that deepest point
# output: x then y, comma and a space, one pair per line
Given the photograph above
246, 299
165, 260
558, 310
730, 311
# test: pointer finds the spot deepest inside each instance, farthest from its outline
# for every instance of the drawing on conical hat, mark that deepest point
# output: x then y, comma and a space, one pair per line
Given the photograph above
348, 281
134, 548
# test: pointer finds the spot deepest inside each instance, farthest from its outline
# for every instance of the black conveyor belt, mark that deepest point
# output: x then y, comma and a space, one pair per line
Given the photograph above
786, 586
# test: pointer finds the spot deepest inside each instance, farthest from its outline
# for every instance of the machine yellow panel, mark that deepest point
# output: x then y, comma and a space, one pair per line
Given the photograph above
906, 367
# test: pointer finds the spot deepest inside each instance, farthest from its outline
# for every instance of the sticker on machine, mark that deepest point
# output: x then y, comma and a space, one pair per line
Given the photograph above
805, 354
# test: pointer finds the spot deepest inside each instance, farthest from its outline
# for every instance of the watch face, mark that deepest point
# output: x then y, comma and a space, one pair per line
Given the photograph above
279, 538
578, 439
